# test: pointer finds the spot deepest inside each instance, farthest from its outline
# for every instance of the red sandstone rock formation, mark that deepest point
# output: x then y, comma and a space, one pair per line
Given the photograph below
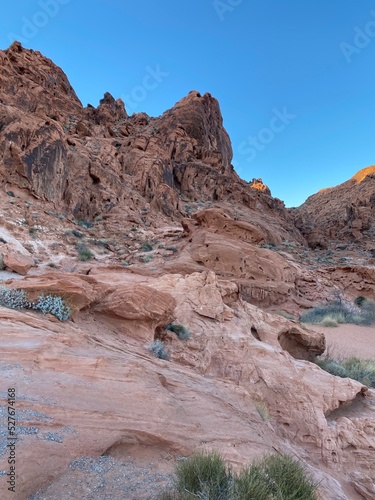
342, 213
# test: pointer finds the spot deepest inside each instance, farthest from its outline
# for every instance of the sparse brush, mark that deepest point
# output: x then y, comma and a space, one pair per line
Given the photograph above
84, 253
340, 311
182, 332
362, 370
55, 305
328, 321
285, 315
206, 476
146, 247
157, 348
13, 298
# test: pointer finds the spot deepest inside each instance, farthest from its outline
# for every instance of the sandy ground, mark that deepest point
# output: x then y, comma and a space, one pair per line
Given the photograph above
349, 340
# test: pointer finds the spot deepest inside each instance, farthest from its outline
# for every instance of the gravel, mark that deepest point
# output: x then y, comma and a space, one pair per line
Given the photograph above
106, 478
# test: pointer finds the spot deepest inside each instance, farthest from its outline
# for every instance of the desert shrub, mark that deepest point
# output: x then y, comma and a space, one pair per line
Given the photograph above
275, 477
84, 253
204, 475
362, 370
332, 366
157, 348
359, 301
182, 332
251, 483
329, 322
77, 234
55, 305
146, 258
11, 194
13, 298
146, 247
287, 478
285, 315
85, 224
262, 409
341, 311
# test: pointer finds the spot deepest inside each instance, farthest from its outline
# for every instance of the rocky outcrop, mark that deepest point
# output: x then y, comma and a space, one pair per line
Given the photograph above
344, 213
90, 161
106, 392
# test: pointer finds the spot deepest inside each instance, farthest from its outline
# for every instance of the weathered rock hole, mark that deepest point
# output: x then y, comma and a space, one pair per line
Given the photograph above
254, 333
290, 341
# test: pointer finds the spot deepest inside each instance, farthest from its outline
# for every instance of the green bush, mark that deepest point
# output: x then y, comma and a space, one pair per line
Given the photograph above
52, 304
329, 322
342, 311
158, 349
362, 370
182, 332
84, 253
204, 475
146, 247
275, 477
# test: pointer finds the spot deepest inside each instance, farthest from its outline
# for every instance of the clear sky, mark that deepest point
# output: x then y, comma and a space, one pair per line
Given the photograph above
295, 79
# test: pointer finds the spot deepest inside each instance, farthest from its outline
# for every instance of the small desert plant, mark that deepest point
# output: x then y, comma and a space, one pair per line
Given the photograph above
77, 234
55, 305
362, 370
182, 332
146, 258
11, 194
276, 477
85, 224
341, 311
285, 315
157, 348
204, 475
84, 253
13, 298
329, 322
146, 247
262, 409
287, 479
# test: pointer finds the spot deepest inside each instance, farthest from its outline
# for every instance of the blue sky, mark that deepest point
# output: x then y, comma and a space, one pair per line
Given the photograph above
294, 79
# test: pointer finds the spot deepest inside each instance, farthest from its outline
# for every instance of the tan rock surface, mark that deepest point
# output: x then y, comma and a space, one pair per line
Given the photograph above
106, 392
18, 262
